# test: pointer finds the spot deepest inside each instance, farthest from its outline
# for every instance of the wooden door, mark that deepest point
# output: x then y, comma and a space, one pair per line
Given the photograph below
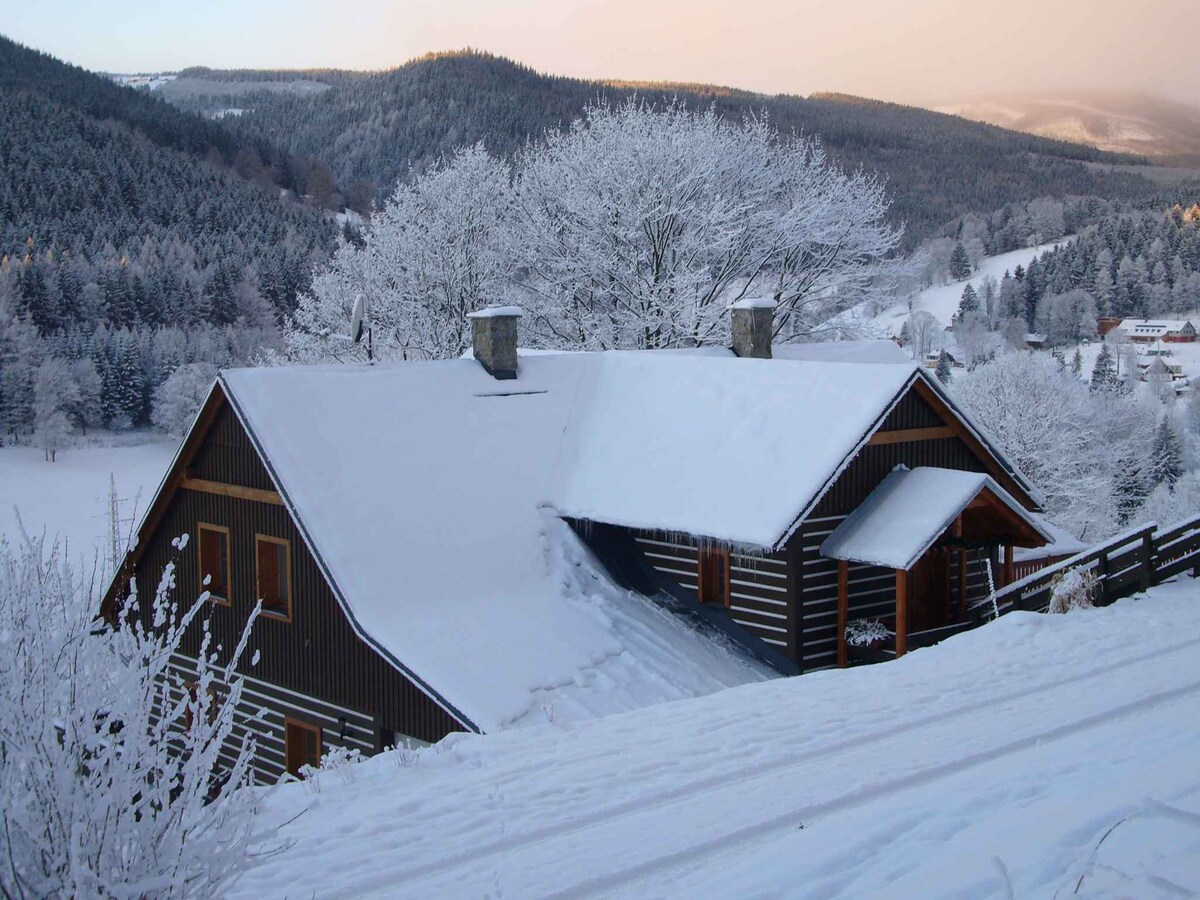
929, 592
302, 745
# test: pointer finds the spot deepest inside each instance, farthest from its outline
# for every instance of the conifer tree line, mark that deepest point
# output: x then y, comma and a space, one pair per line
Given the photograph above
1135, 263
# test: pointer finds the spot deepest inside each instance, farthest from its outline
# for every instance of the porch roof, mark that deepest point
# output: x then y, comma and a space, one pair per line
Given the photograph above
912, 508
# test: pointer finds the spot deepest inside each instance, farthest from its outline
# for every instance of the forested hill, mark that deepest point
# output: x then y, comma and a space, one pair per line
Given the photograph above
373, 126
116, 210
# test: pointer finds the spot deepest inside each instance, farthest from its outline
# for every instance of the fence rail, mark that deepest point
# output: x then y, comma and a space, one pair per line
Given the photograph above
1132, 561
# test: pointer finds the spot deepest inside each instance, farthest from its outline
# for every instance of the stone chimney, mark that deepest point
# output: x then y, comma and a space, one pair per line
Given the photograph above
753, 321
494, 339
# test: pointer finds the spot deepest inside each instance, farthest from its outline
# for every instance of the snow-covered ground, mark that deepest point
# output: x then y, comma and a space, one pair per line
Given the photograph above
1038, 756
942, 301
69, 498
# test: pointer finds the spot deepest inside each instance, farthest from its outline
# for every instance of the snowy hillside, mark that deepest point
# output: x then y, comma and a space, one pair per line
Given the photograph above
941, 301
1035, 756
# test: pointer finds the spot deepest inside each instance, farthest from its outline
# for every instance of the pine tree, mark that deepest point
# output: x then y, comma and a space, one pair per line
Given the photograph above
943, 368
1166, 455
1077, 364
960, 263
1104, 373
1130, 488
969, 302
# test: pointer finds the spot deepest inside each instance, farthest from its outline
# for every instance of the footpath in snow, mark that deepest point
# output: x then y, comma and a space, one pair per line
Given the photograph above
1040, 755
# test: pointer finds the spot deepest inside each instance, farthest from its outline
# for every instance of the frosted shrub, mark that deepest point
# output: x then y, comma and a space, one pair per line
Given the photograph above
341, 761
106, 790
1073, 589
864, 632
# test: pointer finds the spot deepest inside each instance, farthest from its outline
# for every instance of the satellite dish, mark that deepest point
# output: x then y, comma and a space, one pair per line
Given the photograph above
356, 318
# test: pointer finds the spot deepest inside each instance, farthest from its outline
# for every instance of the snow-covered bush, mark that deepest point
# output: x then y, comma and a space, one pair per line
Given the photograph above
865, 632
178, 399
110, 781
1073, 589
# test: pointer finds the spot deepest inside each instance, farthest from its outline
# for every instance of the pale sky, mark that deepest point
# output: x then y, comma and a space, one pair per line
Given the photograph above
917, 51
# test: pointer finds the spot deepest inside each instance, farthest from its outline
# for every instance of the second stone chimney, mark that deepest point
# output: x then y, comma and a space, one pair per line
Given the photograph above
753, 322
494, 339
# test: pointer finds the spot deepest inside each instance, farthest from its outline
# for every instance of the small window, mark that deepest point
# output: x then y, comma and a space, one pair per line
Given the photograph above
273, 558
302, 745
714, 576
214, 562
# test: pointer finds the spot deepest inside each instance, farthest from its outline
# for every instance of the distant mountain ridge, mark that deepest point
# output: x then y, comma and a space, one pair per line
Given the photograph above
371, 127
1163, 130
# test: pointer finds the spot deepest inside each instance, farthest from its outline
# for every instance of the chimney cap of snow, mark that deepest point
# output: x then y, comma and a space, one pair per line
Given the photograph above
753, 303
496, 312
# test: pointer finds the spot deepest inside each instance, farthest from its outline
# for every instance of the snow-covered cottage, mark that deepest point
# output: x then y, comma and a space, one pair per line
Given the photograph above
484, 543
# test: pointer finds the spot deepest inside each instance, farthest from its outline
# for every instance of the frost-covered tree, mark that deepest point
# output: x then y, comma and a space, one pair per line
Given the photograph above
1077, 363
54, 394
923, 330
943, 368
635, 228
441, 248
115, 779
1168, 504
178, 399
1166, 454
969, 302
641, 224
1074, 444
1104, 372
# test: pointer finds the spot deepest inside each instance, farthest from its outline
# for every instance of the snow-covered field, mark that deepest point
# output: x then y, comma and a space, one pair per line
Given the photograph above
69, 498
1039, 756
942, 301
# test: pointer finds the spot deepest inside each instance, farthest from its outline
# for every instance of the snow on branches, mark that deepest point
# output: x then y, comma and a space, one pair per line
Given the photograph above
116, 779
634, 228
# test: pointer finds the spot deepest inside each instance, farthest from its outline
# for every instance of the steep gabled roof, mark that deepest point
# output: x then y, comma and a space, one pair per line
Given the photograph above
432, 496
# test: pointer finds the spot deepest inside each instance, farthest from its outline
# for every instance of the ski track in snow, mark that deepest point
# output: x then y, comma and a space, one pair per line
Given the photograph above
656, 835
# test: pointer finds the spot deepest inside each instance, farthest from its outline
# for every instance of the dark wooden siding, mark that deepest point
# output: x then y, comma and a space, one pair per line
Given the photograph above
872, 589
759, 587
262, 711
316, 654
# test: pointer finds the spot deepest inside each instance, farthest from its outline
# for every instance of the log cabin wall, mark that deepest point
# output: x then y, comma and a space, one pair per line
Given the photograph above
315, 662
872, 589
760, 591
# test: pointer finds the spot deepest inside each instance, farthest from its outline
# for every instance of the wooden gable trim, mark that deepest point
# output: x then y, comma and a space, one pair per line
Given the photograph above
906, 435
189, 483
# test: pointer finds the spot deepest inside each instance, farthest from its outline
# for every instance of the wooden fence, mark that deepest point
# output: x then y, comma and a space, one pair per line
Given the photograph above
1132, 561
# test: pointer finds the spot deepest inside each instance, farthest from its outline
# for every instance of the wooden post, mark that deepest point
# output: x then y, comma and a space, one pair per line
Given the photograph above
901, 612
962, 584
1146, 574
1007, 577
843, 609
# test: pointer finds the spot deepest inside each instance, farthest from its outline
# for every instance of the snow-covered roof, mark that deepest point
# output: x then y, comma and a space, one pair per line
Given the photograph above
726, 448
433, 497
418, 487
1152, 327
908, 511
1062, 543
